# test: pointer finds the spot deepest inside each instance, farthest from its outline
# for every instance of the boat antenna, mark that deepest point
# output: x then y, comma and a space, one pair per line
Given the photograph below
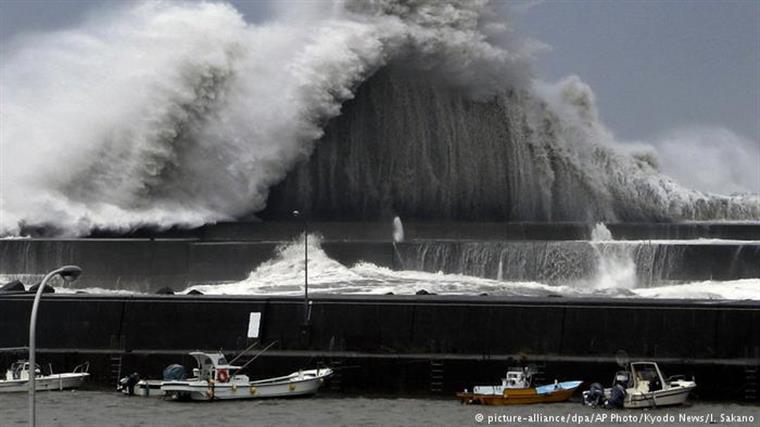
243, 352
257, 355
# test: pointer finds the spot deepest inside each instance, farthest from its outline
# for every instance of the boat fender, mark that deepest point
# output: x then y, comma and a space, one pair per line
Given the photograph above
223, 376
253, 390
234, 387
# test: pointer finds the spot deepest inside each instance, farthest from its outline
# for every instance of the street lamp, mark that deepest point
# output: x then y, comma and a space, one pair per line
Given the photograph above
69, 273
296, 214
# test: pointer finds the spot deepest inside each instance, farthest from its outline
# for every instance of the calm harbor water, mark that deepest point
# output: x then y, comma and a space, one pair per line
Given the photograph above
103, 408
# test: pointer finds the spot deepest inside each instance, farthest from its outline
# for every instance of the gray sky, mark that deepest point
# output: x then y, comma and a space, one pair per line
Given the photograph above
654, 65
657, 65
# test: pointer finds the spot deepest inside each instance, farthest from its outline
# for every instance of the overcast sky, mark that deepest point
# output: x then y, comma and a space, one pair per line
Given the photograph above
654, 65
657, 65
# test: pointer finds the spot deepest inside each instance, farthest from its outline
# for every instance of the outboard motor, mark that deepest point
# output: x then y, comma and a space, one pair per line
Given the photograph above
617, 394
594, 396
175, 372
617, 397
129, 383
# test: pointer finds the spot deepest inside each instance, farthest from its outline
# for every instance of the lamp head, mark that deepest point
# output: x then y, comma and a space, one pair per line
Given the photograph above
70, 273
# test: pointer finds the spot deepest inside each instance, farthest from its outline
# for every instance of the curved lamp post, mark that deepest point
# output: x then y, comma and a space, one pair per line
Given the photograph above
68, 273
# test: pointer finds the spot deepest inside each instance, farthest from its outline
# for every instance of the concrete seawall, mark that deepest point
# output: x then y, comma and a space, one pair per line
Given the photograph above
356, 231
476, 338
145, 265
561, 262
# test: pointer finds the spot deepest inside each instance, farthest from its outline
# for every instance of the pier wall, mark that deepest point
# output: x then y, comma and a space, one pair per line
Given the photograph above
475, 230
474, 337
146, 265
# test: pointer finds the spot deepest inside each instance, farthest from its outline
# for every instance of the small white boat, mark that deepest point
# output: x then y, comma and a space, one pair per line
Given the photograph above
17, 378
645, 386
215, 379
142, 388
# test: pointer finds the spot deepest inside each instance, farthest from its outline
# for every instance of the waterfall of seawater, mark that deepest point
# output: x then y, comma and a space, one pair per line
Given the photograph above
599, 264
724, 269
616, 267
450, 267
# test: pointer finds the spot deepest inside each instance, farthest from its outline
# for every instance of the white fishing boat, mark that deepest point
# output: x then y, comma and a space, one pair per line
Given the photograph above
215, 379
17, 378
643, 385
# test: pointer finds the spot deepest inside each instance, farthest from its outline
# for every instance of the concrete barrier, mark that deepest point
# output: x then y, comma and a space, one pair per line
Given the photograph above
476, 338
477, 230
146, 265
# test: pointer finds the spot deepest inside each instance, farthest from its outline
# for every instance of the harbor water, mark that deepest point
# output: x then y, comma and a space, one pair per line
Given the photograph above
105, 408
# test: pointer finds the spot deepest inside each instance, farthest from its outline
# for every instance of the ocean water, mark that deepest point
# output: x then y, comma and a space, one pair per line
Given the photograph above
104, 408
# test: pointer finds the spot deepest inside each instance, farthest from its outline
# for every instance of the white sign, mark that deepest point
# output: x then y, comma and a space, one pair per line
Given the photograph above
254, 322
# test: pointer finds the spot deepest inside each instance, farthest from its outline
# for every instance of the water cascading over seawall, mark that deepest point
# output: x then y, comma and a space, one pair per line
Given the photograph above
409, 146
585, 263
413, 146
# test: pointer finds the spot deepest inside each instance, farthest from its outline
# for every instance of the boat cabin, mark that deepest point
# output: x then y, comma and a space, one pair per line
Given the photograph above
212, 366
646, 377
19, 370
516, 378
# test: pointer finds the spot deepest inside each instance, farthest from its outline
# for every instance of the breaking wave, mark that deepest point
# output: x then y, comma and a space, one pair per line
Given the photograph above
165, 113
284, 275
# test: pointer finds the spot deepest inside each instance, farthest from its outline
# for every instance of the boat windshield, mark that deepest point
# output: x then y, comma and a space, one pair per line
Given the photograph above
647, 373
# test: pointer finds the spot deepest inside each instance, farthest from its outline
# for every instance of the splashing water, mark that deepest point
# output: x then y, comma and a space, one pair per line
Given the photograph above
616, 267
182, 113
165, 113
283, 275
601, 233
398, 230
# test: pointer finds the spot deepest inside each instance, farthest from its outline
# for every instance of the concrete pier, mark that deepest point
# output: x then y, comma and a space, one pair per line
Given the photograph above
390, 343
145, 265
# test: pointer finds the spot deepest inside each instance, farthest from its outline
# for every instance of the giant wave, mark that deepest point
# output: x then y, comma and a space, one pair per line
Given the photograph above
183, 113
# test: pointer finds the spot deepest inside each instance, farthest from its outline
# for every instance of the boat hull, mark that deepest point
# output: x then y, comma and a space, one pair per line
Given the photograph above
521, 396
49, 382
669, 397
291, 386
145, 388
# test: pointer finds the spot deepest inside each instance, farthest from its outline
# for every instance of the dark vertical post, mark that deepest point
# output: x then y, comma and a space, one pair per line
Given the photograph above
305, 272
305, 227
